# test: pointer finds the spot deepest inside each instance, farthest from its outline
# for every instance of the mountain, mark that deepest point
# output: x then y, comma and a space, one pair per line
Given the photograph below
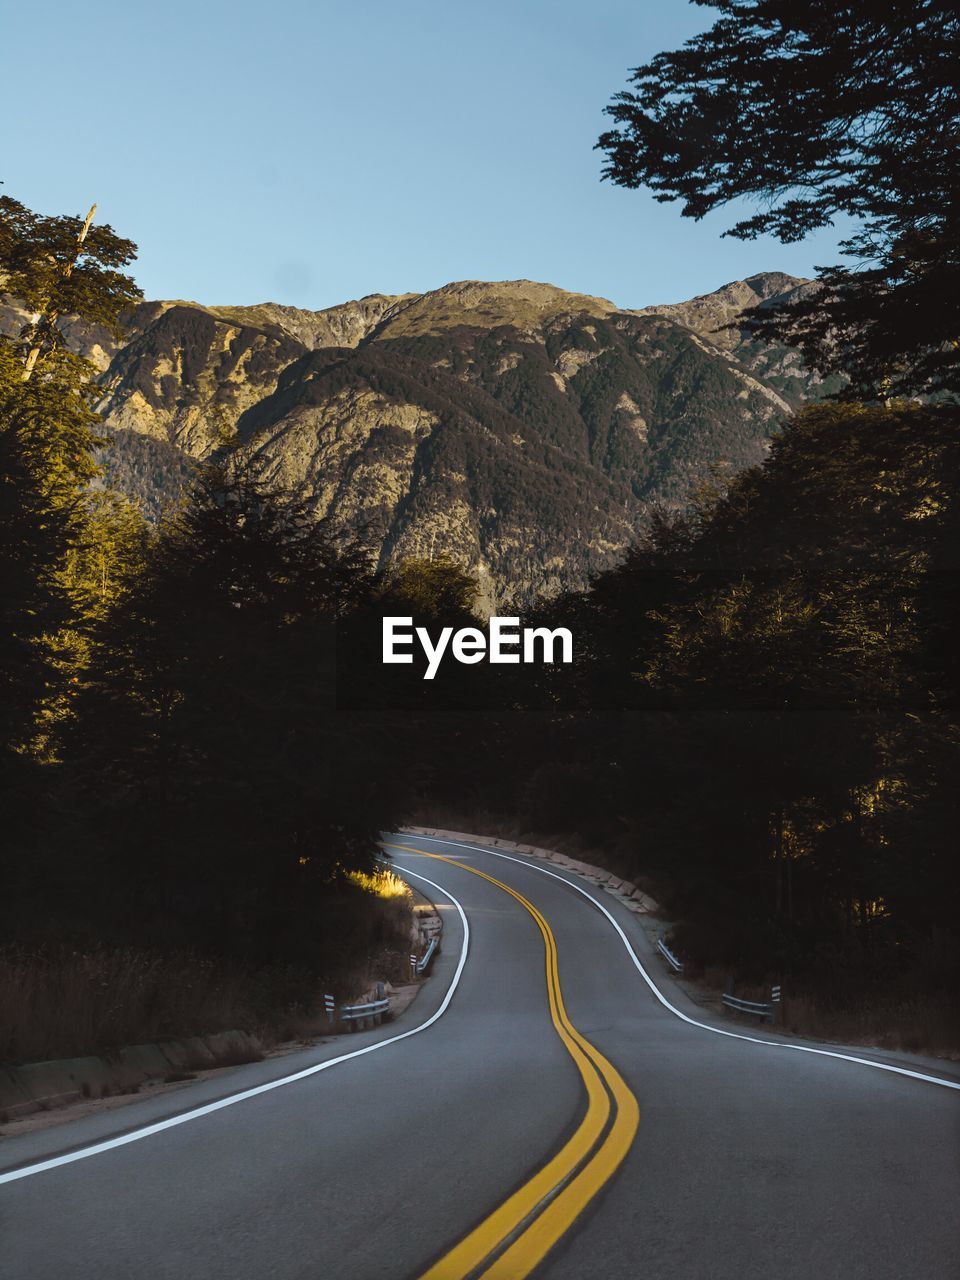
525, 430
714, 316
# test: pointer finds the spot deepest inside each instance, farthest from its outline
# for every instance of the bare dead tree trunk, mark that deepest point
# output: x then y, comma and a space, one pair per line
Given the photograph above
47, 318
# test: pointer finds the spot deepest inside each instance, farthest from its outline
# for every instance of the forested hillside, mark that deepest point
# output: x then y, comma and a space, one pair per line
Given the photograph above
524, 430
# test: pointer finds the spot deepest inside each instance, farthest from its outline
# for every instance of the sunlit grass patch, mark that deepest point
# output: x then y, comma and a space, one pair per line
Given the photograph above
385, 884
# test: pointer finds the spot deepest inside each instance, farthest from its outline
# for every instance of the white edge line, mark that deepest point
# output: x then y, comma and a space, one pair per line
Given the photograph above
704, 1026
84, 1153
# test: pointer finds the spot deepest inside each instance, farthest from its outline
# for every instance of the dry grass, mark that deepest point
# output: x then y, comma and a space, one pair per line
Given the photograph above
71, 1002
917, 1024
896, 1018
384, 884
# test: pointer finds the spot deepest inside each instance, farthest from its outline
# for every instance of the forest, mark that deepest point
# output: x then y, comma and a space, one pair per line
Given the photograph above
199, 743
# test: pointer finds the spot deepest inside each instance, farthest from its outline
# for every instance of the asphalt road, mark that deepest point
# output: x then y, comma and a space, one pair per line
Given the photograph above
567, 1114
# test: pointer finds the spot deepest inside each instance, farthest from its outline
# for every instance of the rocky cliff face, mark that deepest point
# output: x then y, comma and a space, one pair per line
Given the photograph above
525, 430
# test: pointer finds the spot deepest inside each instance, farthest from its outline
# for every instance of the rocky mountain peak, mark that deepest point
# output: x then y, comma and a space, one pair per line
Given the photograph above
709, 313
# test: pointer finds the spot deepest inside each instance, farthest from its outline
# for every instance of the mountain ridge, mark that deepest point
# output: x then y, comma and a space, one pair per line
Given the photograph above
523, 429
706, 313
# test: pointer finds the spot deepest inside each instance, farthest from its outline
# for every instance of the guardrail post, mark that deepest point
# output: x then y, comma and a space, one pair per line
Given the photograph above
727, 989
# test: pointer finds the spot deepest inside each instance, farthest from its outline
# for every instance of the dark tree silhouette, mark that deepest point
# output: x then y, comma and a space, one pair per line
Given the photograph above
815, 111
208, 740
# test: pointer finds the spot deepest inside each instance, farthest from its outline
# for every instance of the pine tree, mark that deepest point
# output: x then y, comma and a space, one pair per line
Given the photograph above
61, 268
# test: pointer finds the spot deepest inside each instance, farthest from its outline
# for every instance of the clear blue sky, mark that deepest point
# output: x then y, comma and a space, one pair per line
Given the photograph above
310, 151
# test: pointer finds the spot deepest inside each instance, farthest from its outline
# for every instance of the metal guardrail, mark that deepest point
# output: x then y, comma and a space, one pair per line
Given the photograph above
359, 1014
756, 1007
424, 962
675, 964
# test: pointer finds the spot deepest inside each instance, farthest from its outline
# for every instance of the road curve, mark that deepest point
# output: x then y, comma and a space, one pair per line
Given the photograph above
381, 1154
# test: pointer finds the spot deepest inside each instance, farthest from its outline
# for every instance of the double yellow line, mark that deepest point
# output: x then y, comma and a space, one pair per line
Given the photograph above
519, 1233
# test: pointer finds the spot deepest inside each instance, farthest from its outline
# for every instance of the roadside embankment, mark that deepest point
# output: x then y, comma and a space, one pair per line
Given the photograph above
42, 1086
110, 1077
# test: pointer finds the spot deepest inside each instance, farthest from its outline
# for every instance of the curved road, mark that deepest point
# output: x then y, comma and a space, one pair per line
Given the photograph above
538, 1110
